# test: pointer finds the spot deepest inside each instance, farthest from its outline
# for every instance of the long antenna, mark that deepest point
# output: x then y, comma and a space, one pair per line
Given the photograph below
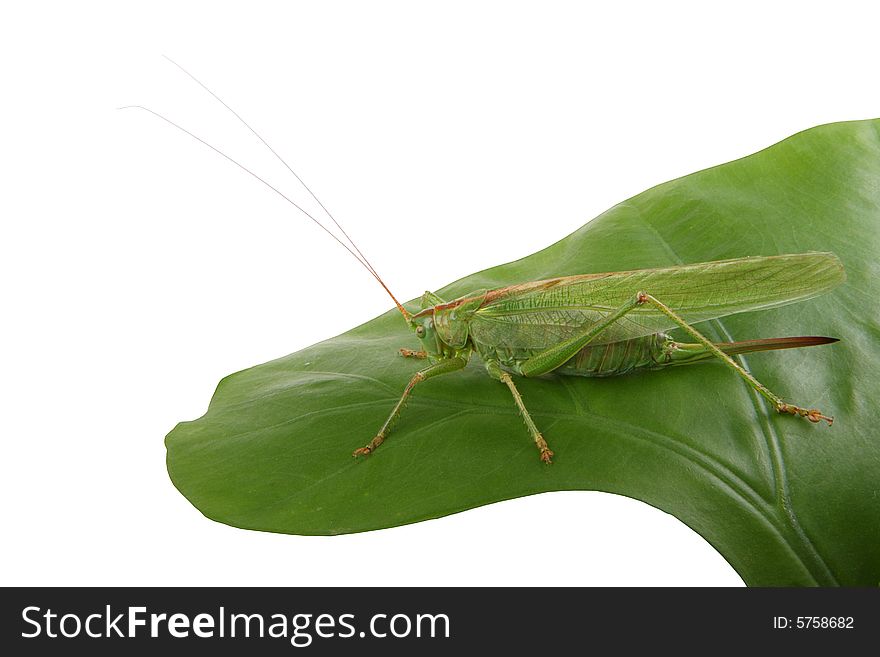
364, 263
277, 156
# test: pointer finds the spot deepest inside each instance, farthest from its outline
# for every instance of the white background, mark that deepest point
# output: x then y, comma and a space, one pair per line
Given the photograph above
138, 268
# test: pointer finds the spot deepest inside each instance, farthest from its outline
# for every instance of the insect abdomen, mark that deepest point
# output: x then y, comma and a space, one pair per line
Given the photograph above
615, 358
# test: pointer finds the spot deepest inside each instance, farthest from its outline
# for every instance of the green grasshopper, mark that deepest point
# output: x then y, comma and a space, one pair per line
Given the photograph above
593, 325
614, 323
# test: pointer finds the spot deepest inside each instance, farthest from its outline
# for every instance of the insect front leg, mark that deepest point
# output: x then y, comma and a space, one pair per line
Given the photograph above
496, 372
412, 353
813, 414
443, 367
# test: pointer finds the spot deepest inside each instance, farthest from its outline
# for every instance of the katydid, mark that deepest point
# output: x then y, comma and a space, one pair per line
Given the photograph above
613, 323
594, 325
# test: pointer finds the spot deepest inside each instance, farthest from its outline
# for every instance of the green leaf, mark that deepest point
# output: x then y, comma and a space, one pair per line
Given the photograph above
785, 501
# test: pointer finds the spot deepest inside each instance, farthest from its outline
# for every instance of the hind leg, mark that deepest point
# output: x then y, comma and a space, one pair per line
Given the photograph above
812, 414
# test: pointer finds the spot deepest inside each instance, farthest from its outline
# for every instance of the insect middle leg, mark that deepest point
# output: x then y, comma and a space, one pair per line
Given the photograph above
496, 372
443, 367
813, 414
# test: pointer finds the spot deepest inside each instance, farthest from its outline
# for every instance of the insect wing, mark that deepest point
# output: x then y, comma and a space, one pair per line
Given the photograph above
535, 315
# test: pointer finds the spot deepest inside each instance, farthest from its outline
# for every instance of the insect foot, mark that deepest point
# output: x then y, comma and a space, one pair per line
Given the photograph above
411, 353
546, 452
812, 414
370, 447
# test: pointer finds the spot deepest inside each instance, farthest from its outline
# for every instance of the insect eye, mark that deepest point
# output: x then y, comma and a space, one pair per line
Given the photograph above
420, 331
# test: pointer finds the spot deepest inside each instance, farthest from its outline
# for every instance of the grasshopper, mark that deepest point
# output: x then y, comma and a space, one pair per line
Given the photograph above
593, 325
599, 325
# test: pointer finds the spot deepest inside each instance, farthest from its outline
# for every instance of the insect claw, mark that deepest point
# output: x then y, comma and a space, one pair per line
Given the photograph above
370, 447
813, 414
546, 452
